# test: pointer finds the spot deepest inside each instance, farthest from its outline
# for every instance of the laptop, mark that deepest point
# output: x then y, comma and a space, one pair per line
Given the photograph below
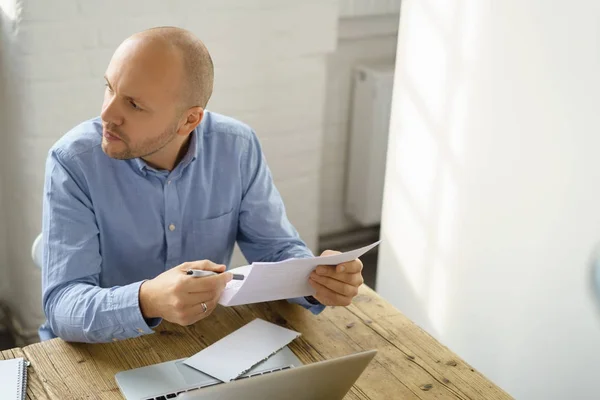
278, 377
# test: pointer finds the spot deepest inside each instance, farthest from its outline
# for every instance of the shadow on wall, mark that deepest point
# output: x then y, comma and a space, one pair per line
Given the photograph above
445, 228
424, 162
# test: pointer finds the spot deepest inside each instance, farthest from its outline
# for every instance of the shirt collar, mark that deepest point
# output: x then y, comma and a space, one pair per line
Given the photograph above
192, 150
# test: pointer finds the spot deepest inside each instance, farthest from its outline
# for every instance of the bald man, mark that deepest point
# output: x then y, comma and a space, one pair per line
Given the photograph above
152, 188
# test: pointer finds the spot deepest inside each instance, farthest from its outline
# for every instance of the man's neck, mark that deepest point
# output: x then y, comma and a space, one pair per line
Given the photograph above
171, 155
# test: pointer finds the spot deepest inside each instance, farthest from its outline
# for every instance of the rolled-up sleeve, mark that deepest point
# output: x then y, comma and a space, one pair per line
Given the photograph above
264, 233
76, 307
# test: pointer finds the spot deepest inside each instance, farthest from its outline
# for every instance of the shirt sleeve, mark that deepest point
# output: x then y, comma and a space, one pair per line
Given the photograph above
76, 307
264, 233
313, 308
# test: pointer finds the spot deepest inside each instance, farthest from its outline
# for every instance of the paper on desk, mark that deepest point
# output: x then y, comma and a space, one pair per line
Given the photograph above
280, 280
241, 350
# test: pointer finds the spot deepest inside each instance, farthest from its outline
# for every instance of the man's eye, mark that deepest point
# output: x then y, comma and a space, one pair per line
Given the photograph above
108, 87
135, 106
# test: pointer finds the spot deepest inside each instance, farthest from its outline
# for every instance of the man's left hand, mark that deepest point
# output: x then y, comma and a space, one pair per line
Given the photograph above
336, 285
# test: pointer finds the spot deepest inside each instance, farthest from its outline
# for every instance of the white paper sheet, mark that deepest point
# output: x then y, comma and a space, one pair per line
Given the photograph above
280, 280
239, 351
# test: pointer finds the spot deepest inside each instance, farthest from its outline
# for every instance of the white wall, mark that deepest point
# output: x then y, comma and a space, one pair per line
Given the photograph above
491, 207
7, 13
361, 8
270, 72
3, 256
367, 33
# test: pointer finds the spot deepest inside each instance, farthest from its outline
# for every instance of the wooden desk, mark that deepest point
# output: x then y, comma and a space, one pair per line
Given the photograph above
35, 389
410, 364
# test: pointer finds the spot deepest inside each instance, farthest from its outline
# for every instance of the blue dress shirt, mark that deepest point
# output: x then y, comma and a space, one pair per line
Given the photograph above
110, 224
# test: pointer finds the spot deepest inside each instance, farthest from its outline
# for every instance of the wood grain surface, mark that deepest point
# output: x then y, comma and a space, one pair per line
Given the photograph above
410, 364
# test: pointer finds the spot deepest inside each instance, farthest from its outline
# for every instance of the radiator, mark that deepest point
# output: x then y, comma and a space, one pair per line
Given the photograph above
370, 118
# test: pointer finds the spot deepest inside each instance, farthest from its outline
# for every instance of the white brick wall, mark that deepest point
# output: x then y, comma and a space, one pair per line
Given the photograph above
7, 12
270, 72
361, 39
3, 256
3, 266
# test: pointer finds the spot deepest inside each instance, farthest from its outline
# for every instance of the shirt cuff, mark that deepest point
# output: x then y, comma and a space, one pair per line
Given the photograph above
127, 304
313, 308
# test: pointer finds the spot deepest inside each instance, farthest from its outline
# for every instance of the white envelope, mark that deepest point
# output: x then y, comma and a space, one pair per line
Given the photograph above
241, 350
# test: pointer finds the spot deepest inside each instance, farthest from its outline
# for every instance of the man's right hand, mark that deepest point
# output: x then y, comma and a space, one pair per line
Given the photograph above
177, 297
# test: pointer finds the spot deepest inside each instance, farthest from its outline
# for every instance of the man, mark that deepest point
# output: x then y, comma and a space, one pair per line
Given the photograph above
154, 187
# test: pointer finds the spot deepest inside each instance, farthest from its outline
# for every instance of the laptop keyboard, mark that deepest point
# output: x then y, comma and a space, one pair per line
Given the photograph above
175, 394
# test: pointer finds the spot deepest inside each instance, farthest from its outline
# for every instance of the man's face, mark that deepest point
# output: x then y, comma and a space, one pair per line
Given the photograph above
139, 112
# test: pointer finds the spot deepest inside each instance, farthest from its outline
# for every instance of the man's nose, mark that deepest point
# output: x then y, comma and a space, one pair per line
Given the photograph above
110, 111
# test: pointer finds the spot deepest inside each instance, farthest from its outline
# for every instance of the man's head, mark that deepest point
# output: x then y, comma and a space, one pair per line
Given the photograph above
158, 83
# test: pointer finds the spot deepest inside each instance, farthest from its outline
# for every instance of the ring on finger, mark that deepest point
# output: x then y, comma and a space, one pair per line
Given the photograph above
204, 307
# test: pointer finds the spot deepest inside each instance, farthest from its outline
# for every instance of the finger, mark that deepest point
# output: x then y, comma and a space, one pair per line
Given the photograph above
336, 286
192, 285
325, 270
329, 297
184, 301
350, 279
197, 285
212, 284
332, 272
191, 299
351, 267
197, 309
195, 313
221, 280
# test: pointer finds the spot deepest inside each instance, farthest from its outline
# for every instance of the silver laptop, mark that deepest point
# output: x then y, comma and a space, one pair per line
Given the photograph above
275, 378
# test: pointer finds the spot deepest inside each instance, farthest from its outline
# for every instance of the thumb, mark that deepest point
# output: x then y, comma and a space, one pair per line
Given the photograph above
205, 265
227, 276
330, 253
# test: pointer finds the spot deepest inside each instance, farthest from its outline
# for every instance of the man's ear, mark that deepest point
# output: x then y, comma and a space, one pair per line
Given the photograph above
190, 120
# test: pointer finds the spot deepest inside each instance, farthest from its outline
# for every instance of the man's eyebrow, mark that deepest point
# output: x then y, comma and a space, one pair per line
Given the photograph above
135, 99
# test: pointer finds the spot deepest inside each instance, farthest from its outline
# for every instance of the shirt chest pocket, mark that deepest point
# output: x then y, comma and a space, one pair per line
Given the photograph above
214, 238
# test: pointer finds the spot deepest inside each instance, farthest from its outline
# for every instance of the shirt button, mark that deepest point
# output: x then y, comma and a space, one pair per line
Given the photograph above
171, 227
169, 182
140, 331
115, 339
